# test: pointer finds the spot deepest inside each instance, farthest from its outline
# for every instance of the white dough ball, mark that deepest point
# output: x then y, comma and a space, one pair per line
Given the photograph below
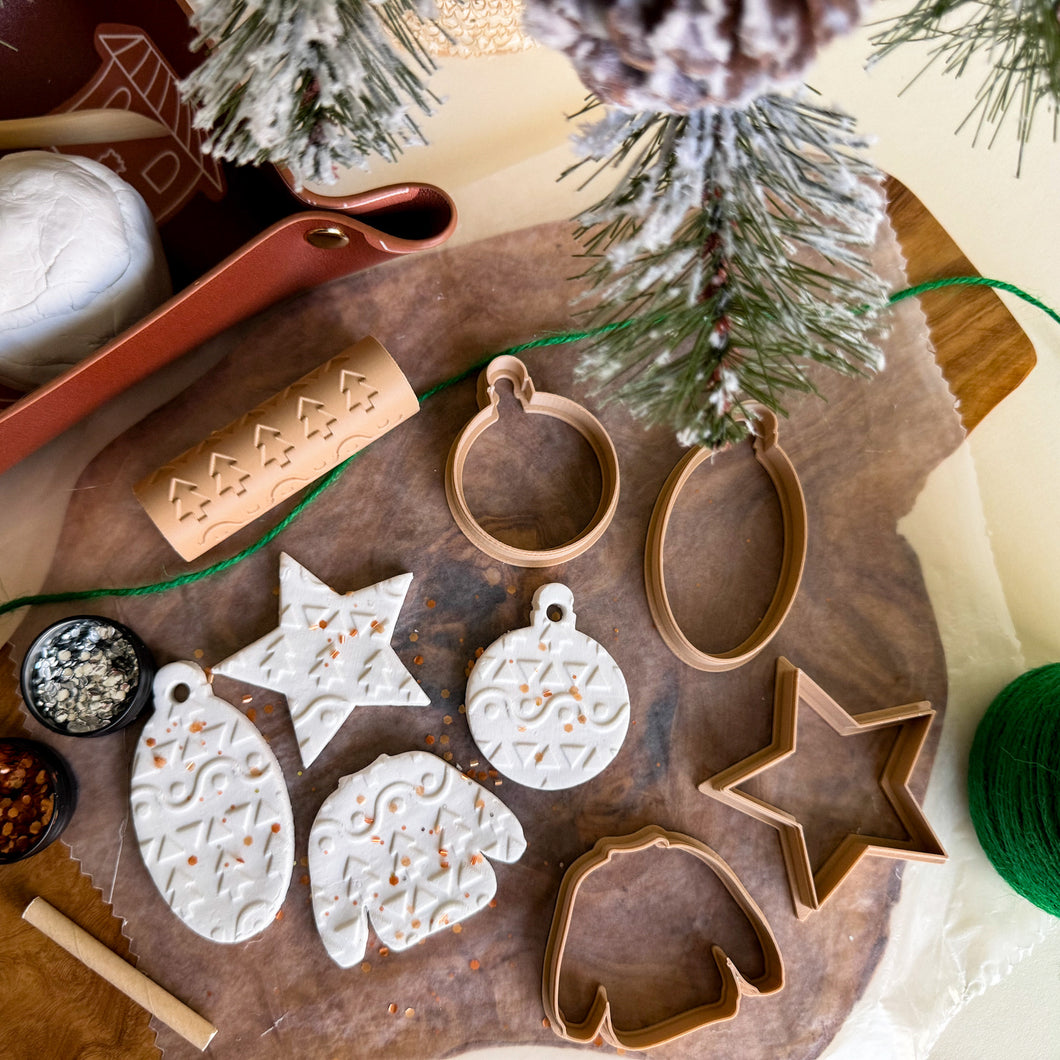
80, 261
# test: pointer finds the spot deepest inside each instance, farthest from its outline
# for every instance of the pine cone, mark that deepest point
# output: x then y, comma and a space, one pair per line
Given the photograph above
678, 55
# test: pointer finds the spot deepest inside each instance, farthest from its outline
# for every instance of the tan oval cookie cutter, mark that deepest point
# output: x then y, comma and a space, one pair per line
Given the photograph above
793, 513
598, 1020
532, 401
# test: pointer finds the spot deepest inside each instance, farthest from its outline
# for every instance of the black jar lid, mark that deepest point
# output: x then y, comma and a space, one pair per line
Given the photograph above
32, 770
87, 676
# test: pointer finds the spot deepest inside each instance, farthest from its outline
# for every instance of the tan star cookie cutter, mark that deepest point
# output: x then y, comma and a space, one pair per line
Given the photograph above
536, 402
599, 1020
793, 513
809, 889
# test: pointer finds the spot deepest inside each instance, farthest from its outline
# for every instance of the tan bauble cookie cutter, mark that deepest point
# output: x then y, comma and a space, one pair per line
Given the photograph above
540, 403
598, 1020
793, 513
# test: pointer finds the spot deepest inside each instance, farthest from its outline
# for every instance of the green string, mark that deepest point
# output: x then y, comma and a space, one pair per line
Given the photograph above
333, 476
1013, 769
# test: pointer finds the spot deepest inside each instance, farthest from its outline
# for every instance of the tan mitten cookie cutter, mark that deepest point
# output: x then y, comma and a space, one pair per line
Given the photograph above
793, 513
598, 1020
809, 889
532, 401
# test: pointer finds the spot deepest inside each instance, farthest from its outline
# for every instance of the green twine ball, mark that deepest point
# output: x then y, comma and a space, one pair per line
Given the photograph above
1014, 785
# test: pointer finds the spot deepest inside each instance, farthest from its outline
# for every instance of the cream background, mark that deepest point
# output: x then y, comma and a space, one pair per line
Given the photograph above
984, 527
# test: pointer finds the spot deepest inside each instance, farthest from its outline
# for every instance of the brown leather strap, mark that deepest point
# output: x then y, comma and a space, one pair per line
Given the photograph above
292, 255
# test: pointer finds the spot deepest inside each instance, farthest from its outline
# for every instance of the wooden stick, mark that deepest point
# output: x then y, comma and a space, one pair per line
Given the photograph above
94, 955
99, 126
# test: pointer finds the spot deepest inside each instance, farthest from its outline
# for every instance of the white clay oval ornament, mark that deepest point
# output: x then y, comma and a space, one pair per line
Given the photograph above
546, 704
211, 810
405, 842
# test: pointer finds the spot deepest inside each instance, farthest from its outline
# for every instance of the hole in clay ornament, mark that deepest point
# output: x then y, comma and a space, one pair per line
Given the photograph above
555, 613
181, 693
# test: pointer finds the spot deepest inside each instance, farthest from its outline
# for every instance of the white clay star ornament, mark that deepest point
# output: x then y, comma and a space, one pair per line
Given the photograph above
330, 653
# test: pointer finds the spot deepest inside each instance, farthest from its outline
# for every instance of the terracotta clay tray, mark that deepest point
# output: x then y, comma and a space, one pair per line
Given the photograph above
231, 235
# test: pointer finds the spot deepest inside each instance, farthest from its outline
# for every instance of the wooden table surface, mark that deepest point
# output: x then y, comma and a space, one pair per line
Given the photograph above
55, 1008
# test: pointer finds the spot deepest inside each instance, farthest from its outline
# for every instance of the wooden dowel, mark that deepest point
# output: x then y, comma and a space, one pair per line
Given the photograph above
94, 955
98, 126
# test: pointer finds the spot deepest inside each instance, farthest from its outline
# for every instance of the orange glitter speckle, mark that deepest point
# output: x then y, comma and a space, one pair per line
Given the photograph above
568, 727
198, 653
406, 861
581, 719
429, 741
255, 772
304, 880
418, 660
197, 726
335, 654
191, 767
448, 719
409, 1013
150, 741
432, 603
268, 708
159, 761
360, 799
476, 859
444, 864
480, 804
524, 689
414, 637
522, 728
419, 789
365, 967
383, 951
248, 840
511, 590
415, 924
252, 714
493, 903
473, 965
457, 928
276, 826
445, 693
545, 1023
279, 914
542, 646
392, 1008
598, 1041
393, 881
322, 624
478, 652
546, 693
193, 860
539, 756
377, 839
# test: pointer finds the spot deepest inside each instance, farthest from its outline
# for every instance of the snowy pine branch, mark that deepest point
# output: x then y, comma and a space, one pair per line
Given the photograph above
736, 244
310, 84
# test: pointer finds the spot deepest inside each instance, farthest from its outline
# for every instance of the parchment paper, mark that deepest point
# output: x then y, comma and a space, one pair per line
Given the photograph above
862, 627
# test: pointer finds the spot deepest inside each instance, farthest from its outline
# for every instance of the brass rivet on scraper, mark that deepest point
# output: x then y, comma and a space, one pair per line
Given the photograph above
330, 238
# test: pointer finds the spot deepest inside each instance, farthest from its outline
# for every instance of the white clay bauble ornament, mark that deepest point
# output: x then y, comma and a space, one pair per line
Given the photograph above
546, 704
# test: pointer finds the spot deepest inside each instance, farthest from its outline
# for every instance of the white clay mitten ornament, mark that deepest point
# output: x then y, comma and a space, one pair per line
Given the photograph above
405, 843
211, 810
546, 704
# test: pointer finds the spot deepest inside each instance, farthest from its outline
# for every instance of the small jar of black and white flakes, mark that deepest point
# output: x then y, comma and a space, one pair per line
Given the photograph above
87, 676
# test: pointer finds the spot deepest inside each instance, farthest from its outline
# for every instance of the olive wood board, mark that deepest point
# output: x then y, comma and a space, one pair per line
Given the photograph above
861, 627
